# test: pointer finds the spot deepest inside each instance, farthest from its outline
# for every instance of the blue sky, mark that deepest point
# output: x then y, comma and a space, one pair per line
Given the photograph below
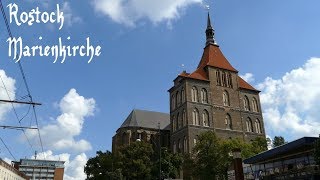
143, 48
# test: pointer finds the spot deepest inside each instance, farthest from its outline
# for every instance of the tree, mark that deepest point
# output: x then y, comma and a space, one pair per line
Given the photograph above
135, 160
316, 153
259, 144
102, 167
278, 141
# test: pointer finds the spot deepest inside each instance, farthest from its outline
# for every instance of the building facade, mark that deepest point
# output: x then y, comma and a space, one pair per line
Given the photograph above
41, 169
145, 126
8, 172
213, 97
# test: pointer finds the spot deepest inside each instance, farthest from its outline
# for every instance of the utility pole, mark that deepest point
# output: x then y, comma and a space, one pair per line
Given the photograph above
159, 151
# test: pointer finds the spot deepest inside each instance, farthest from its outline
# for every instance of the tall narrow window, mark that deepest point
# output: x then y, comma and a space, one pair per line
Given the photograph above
255, 105
178, 121
173, 124
178, 99
195, 117
224, 82
194, 94
228, 122
229, 80
173, 102
184, 118
182, 95
204, 96
205, 118
258, 126
246, 103
185, 145
218, 78
174, 147
249, 125
179, 146
225, 97
194, 142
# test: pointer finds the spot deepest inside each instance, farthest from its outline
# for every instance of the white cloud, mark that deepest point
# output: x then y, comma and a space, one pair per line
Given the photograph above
6, 83
247, 77
62, 133
69, 17
130, 12
74, 169
291, 103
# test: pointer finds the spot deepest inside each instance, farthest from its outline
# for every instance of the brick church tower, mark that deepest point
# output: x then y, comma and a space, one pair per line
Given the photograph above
213, 97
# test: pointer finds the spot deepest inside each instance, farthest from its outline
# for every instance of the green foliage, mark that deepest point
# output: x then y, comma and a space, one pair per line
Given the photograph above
278, 141
259, 144
316, 153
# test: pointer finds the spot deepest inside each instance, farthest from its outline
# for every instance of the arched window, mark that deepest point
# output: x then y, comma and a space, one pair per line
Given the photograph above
174, 147
178, 99
249, 125
182, 95
173, 102
124, 138
224, 82
258, 126
178, 121
218, 78
225, 97
195, 117
255, 105
173, 124
204, 96
185, 145
246, 103
184, 118
179, 146
205, 118
228, 122
229, 80
194, 94
194, 142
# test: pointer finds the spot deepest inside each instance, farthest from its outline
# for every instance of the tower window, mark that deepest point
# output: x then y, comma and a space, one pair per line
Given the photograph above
178, 121
204, 96
225, 97
184, 118
173, 102
205, 118
229, 80
174, 147
178, 99
246, 103
228, 122
194, 94
173, 124
182, 96
185, 145
224, 82
249, 125
218, 75
258, 126
255, 105
195, 117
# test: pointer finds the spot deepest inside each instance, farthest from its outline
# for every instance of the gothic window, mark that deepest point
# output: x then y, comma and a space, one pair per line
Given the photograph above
178, 125
173, 102
218, 78
185, 145
195, 117
174, 147
249, 125
182, 96
255, 105
177, 99
258, 126
204, 96
194, 142
179, 146
229, 80
225, 97
205, 118
194, 94
228, 122
246, 103
184, 118
224, 82
173, 124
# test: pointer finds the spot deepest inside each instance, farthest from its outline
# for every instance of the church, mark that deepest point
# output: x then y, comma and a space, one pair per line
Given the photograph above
213, 97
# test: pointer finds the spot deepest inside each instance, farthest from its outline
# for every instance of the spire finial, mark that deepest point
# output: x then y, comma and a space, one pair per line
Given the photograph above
210, 32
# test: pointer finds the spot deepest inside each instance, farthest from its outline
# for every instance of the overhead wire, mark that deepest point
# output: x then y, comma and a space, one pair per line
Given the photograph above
7, 149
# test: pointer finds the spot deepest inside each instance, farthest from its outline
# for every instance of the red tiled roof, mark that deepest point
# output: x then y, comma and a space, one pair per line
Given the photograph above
244, 85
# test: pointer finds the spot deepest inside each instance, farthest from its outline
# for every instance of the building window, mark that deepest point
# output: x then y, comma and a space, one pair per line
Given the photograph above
184, 118
194, 142
204, 96
185, 145
225, 97
173, 102
182, 96
174, 147
228, 122
218, 78
178, 99
179, 146
194, 94
258, 126
249, 125
173, 124
224, 81
255, 105
195, 117
229, 80
246, 103
178, 121
205, 118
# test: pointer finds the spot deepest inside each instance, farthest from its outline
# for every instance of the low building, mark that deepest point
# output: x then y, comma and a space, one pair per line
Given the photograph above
41, 169
9, 172
144, 126
293, 160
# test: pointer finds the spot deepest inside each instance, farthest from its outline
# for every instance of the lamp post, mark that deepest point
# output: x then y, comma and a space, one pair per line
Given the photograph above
237, 163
